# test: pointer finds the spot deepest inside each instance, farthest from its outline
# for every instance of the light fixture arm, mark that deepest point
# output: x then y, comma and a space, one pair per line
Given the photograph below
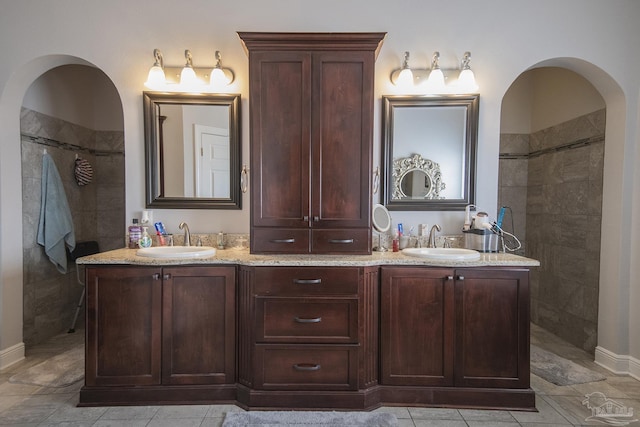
466, 59
435, 61
189, 58
159, 60
405, 62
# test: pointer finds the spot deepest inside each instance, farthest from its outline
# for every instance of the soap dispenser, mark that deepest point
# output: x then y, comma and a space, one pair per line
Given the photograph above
145, 240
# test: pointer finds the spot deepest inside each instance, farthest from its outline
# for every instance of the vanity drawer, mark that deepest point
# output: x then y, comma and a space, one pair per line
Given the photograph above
279, 240
306, 281
308, 320
306, 367
341, 241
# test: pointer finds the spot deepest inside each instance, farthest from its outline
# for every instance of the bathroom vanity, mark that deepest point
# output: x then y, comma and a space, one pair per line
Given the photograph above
307, 331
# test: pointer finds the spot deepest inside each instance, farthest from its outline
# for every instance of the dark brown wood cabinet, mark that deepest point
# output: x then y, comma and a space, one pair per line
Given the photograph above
417, 326
464, 329
306, 332
308, 337
311, 100
152, 326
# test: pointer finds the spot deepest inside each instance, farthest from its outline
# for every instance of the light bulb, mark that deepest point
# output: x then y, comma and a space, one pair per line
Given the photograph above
218, 80
467, 82
405, 78
156, 79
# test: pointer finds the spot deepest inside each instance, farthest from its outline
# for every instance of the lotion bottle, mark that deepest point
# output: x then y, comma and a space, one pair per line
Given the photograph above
135, 233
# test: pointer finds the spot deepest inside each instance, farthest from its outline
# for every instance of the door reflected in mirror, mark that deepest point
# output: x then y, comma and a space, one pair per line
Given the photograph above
429, 151
192, 147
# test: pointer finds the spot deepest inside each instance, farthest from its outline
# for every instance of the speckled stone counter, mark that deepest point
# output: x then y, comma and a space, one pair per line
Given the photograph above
243, 257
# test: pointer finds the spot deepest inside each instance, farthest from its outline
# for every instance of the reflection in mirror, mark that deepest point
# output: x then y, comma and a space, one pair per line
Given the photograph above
429, 141
192, 148
415, 178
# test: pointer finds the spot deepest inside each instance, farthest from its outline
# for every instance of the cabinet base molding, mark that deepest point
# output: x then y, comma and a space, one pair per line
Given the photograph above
157, 395
365, 400
458, 397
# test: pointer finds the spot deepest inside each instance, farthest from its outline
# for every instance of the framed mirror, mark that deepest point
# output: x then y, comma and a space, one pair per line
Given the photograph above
429, 151
192, 150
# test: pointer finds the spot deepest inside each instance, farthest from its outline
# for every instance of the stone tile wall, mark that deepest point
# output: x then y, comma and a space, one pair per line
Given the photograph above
50, 298
563, 217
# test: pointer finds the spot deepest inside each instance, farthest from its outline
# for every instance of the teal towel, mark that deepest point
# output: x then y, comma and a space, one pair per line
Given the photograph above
55, 228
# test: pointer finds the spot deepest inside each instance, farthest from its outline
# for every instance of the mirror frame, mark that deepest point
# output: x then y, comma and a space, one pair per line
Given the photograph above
389, 103
152, 175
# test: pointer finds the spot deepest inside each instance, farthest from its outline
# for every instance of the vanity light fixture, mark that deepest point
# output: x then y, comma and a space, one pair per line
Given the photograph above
435, 80
188, 78
466, 79
156, 75
220, 76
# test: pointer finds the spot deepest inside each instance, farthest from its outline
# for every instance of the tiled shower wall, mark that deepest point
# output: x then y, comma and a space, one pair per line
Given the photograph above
50, 298
562, 218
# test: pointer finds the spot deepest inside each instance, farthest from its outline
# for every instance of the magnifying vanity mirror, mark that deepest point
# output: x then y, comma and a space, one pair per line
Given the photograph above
429, 152
192, 150
381, 223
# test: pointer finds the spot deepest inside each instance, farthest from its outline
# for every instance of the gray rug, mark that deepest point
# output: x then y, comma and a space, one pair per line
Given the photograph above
560, 371
59, 371
309, 419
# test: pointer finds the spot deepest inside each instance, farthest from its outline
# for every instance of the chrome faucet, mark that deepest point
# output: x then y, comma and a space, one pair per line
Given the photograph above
432, 236
187, 234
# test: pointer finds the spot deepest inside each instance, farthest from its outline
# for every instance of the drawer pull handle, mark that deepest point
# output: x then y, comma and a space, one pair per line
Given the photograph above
283, 241
341, 241
308, 320
306, 367
307, 281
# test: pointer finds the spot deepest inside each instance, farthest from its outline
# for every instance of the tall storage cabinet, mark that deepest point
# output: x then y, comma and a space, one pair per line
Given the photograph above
311, 101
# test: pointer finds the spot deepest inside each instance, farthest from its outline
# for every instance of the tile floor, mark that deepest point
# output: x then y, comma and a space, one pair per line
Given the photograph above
24, 405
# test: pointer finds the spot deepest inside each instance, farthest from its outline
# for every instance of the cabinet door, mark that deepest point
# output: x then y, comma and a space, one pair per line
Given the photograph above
280, 86
342, 109
492, 324
198, 345
416, 321
123, 326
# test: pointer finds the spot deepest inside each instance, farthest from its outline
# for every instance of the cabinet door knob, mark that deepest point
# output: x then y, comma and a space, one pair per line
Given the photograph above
460, 277
156, 276
316, 218
166, 276
449, 277
307, 281
305, 218
306, 367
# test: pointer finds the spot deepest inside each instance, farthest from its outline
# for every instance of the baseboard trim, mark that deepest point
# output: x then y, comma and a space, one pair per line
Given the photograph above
616, 363
11, 355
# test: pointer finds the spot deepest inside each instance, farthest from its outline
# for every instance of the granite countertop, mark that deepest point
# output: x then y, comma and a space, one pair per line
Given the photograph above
243, 257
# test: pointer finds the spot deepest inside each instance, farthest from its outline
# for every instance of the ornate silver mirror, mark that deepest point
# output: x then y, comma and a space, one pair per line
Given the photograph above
429, 152
416, 178
192, 150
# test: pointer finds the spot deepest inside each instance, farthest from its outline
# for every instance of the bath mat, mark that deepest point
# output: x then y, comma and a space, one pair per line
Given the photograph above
58, 371
309, 419
560, 371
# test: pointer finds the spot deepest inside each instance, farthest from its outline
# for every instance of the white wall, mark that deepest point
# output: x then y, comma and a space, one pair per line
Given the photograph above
505, 37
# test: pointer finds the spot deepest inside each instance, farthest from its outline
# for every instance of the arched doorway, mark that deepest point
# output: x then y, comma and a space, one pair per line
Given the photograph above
73, 112
551, 169
11, 229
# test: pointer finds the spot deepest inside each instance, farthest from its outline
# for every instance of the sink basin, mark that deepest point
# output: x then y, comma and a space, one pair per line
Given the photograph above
177, 252
447, 254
